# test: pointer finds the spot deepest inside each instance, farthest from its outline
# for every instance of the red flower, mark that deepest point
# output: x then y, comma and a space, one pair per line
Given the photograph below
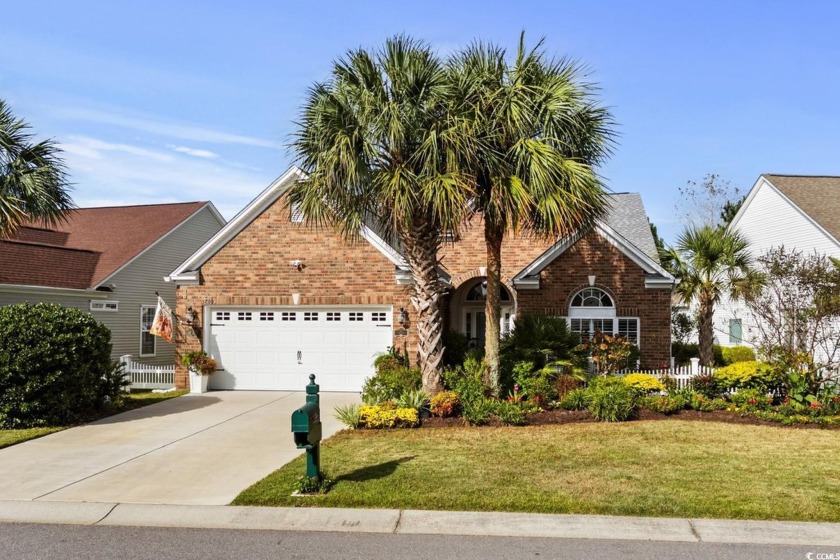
815, 405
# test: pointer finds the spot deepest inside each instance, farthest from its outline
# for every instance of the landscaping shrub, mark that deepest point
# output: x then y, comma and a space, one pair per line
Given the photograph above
467, 381
416, 399
610, 354
456, 346
612, 402
563, 384
705, 404
734, 354
478, 411
539, 339
535, 386
55, 365
510, 413
643, 382
664, 404
390, 383
683, 352
374, 416
707, 385
751, 399
576, 399
445, 404
747, 375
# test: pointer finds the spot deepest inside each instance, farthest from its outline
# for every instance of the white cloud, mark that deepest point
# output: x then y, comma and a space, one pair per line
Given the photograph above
92, 148
195, 152
154, 125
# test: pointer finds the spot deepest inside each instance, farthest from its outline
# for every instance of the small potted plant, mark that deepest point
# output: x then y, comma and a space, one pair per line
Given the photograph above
201, 366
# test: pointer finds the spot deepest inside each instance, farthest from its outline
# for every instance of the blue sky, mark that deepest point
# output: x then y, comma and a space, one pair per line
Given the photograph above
171, 101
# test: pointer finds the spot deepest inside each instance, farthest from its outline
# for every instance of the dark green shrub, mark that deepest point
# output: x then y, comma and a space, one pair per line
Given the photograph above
55, 365
538, 339
455, 347
576, 399
390, 384
683, 352
534, 385
733, 354
391, 360
707, 385
612, 402
478, 411
664, 404
468, 382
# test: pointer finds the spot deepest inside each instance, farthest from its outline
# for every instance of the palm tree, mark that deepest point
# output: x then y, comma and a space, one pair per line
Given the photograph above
33, 181
538, 135
709, 261
377, 143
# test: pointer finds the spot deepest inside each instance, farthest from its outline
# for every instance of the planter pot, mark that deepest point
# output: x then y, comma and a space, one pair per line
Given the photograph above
198, 382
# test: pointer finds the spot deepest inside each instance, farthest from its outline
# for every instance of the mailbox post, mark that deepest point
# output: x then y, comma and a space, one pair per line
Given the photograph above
306, 428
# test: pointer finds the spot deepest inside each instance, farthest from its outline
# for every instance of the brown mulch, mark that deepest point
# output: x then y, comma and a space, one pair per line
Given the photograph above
549, 417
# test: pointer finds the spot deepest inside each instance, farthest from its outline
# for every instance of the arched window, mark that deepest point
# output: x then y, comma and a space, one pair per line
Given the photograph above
592, 297
479, 293
592, 310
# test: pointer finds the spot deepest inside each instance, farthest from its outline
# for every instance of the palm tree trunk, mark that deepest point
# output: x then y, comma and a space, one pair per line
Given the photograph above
705, 333
493, 237
420, 248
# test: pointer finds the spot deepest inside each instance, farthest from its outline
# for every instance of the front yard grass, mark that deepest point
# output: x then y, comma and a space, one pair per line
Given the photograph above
131, 401
664, 469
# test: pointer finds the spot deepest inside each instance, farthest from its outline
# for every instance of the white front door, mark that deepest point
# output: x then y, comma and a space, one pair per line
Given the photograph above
278, 348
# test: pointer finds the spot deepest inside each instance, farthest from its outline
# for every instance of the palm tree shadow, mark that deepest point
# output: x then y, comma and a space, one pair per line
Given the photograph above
373, 472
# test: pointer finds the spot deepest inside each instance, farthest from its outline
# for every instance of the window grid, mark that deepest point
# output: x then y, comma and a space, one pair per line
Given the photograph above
288, 316
592, 297
333, 316
310, 316
147, 340
244, 315
377, 316
266, 316
356, 316
296, 213
223, 315
627, 327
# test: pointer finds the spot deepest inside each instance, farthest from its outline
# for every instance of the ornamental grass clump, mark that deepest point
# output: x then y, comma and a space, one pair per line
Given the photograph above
612, 402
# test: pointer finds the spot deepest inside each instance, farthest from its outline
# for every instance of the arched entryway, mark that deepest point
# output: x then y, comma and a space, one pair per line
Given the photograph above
468, 310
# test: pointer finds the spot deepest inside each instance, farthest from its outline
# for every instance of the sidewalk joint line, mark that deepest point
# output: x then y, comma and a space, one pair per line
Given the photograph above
399, 520
109, 512
694, 530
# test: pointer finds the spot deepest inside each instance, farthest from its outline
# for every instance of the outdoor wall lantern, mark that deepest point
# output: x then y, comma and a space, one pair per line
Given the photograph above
190, 316
402, 318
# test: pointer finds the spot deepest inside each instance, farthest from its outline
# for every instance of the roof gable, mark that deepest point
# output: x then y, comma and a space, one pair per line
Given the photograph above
90, 245
816, 196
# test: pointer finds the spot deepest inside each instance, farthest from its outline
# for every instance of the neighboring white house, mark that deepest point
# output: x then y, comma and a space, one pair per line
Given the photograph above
799, 212
109, 261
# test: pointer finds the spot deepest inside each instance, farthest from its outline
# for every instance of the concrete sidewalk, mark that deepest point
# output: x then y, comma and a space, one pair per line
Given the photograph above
423, 522
197, 449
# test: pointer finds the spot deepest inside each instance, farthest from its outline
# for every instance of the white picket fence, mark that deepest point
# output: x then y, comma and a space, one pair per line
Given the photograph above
681, 375
144, 376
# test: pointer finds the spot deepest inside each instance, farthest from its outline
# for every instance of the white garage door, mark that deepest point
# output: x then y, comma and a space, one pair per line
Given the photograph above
277, 348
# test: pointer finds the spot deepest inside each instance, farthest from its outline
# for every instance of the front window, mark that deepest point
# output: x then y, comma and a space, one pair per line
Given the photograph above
479, 293
735, 331
592, 310
147, 339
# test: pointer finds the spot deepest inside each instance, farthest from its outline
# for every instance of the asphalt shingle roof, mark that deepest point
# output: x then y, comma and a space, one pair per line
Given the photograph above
89, 246
628, 218
817, 196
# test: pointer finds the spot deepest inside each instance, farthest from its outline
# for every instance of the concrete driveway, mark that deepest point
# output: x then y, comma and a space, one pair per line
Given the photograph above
196, 449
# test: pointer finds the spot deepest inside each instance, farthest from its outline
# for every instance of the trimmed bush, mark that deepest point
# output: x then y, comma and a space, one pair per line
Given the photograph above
734, 354
706, 385
612, 402
55, 365
445, 404
643, 382
373, 416
747, 375
664, 404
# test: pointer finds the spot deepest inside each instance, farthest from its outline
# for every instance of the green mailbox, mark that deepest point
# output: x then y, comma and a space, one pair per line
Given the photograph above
306, 429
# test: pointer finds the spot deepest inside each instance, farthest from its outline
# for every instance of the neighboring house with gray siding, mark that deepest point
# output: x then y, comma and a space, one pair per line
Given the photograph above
109, 261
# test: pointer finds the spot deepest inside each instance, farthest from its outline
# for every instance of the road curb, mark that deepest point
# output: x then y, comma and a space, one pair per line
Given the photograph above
417, 522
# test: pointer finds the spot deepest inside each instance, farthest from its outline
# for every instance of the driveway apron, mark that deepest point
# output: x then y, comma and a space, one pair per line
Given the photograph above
196, 449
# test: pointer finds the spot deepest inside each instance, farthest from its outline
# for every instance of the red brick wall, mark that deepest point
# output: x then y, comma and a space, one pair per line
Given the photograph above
618, 276
254, 269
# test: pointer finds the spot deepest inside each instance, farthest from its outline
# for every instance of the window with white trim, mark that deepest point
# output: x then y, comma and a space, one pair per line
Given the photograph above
288, 316
266, 316
310, 316
592, 310
147, 339
736, 331
244, 316
223, 315
111, 306
333, 316
356, 316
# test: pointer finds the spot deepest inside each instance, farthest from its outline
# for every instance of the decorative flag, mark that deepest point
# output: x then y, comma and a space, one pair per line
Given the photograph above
162, 324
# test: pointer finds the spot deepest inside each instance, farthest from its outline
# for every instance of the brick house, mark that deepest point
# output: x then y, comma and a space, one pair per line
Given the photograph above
275, 300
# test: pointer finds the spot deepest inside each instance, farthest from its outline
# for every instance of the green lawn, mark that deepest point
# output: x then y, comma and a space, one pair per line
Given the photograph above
132, 401
660, 468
